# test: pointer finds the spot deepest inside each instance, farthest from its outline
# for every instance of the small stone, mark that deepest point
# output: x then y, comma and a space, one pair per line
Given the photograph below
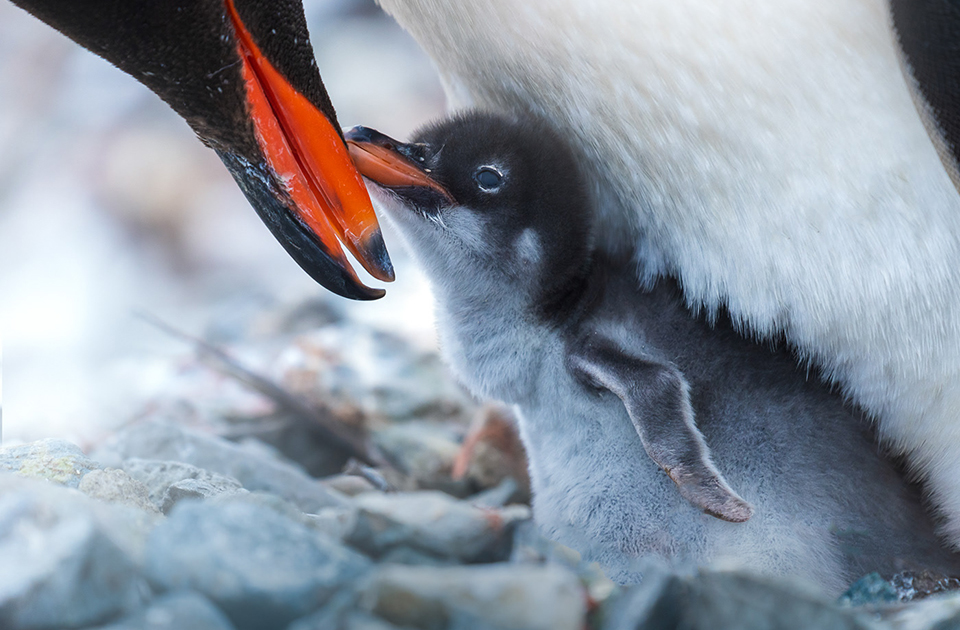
260, 567
420, 450
334, 522
531, 547
331, 616
506, 492
710, 600
407, 555
870, 589
271, 502
492, 452
350, 485
364, 621
482, 596
62, 566
176, 611
933, 613
913, 585
433, 523
166, 441
354, 369
115, 486
194, 489
951, 623
54, 460
160, 476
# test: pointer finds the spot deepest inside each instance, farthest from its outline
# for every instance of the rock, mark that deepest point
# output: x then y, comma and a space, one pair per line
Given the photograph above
408, 555
302, 441
331, 616
53, 460
160, 476
176, 611
166, 441
354, 369
531, 547
422, 450
483, 596
725, 601
115, 486
950, 623
261, 568
433, 523
934, 613
350, 485
492, 452
870, 589
274, 503
193, 489
334, 522
911, 585
362, 621
63, 565
506, 492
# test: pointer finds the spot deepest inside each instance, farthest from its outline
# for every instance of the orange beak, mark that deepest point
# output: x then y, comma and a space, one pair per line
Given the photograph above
309, 157
382, 159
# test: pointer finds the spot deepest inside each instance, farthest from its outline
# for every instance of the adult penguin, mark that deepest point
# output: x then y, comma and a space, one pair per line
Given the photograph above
243, 75
787, 160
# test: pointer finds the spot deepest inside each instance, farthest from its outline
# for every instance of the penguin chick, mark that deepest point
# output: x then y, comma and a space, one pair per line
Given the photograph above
619, 389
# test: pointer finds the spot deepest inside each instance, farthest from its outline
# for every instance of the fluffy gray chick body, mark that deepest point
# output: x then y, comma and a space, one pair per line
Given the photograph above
638, 417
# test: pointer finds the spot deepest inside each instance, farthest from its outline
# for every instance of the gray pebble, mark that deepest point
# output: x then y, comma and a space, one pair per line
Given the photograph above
262, 568
53, 460
547, 597
176, 611
356, 368
433, 523
350, 485
870, 589
363, 621
726, 600
505, 492
165, 441
335, 522
115, 486
62, 566
422, 450
160, 476
332, 615
941, 612
409, 555
193, 489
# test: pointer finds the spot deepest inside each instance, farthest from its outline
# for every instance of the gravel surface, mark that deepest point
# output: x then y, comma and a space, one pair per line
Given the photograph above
200, 514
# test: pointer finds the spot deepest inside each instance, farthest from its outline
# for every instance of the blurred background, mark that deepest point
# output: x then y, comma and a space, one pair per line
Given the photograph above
110, 208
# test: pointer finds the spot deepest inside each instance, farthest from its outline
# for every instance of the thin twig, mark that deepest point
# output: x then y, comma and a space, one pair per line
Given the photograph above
320, 420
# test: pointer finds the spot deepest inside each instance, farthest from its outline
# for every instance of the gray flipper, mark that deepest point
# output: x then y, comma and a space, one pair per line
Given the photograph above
928, 32
657, 399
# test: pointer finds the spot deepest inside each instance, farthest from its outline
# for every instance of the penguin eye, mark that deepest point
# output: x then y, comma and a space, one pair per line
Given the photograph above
488, 178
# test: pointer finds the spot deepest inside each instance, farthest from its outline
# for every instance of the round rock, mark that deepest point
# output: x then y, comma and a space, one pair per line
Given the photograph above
53, 460
260, 567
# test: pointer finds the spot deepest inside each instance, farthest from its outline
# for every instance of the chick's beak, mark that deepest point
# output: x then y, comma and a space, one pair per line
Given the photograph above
390, 163
326, 202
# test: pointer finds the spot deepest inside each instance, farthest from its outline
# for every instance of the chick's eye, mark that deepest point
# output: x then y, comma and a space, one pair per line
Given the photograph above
488, 178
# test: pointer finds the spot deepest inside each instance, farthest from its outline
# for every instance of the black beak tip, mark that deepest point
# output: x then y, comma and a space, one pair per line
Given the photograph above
313, 258
301, 244
375, 252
